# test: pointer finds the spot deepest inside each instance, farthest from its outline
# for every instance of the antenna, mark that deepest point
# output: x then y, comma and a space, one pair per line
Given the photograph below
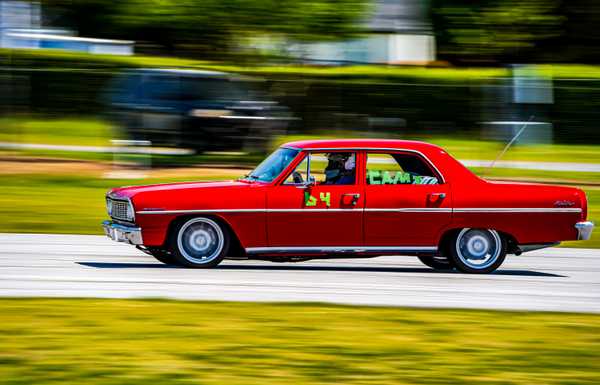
510, 143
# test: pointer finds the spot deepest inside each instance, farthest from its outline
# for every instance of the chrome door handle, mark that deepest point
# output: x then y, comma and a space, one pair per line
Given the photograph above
354, 197
434, 197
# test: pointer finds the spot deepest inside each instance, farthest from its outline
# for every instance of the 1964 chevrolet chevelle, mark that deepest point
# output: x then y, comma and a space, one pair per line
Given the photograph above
342, 198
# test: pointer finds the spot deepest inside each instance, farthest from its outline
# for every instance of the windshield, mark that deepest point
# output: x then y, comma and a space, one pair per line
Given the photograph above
275, 163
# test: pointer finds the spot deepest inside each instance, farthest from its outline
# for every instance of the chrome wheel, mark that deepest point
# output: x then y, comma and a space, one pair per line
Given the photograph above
478, 249
200, 241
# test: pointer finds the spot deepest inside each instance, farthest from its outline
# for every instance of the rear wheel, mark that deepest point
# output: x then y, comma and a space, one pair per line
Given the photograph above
477, 251
436, 262
199, 242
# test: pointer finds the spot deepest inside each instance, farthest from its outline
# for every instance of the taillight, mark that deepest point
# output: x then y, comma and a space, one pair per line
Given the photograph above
584, 208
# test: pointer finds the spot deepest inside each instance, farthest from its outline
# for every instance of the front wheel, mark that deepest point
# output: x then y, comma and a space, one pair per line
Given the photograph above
199, 242
477, 251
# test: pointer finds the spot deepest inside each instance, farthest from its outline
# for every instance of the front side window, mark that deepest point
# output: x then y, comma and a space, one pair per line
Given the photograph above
326, 168
398, 168
273, 165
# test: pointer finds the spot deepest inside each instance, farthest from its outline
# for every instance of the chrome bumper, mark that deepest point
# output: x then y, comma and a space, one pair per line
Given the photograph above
122, 233
584, 230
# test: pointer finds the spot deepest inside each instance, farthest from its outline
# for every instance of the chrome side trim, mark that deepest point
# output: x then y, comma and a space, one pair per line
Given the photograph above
201, 211
584, 230
339, 249
516, 210
413, 210
405, 209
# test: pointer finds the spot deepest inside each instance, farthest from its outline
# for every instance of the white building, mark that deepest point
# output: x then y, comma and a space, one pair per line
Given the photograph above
399, 32
21, 27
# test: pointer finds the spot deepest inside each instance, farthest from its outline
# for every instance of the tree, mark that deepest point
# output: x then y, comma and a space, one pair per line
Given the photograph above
201, 27
496, 30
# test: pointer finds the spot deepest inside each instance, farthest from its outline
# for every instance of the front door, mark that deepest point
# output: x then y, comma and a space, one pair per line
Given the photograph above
320, 204
407, 202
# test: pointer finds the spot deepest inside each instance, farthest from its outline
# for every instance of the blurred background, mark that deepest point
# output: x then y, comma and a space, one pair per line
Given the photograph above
97, 93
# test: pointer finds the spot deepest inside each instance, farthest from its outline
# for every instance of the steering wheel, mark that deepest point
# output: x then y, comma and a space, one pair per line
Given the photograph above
297, 177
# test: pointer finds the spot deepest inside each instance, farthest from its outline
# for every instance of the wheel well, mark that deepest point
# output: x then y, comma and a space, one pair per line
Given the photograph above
446, 238
235, 247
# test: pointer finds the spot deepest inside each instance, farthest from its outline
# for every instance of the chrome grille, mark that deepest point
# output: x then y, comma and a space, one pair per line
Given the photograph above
119, 209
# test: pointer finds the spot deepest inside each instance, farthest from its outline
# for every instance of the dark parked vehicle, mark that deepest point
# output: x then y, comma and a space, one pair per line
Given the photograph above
202, 110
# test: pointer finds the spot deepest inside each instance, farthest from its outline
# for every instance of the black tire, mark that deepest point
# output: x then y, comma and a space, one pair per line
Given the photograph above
477, 251
163, 256
436, 262
199, 242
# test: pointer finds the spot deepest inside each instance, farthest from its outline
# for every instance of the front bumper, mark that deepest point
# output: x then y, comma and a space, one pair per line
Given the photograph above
584, 230
122, 233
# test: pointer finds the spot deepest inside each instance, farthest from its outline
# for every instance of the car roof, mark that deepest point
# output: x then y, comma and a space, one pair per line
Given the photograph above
327, 144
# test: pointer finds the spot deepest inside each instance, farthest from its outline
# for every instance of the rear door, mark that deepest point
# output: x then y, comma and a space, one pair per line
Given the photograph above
407, 201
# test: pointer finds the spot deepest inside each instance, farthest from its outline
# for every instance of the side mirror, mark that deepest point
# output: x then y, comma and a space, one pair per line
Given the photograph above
309, 183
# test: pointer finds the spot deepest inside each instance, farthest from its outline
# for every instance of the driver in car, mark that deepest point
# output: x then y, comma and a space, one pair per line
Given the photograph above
341, 168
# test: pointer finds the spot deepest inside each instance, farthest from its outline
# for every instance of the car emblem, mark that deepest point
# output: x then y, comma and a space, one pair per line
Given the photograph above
564, 204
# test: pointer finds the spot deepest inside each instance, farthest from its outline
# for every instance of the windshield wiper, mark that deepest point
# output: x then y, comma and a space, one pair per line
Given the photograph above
250, 177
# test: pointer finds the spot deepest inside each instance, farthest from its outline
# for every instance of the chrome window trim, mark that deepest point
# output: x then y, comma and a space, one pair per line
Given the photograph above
443, 179
339, 249
309, 153
405, 209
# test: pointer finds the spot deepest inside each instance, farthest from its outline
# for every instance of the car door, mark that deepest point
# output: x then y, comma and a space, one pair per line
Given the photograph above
407, 201
323, 213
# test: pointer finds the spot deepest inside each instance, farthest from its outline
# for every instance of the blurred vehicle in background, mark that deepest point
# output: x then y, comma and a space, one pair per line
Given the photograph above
202, 110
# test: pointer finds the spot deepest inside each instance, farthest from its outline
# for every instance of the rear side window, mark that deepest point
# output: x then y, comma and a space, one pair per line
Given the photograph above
398, 168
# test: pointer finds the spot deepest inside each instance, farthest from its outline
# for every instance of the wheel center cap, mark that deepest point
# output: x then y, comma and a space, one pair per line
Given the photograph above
477, 247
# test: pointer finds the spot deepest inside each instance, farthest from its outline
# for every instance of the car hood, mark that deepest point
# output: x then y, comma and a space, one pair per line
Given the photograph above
131, 191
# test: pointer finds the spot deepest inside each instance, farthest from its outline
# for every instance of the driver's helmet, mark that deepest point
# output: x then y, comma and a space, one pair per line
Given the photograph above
339, 164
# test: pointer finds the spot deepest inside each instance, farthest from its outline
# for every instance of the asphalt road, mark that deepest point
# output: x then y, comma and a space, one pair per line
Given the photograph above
94, 266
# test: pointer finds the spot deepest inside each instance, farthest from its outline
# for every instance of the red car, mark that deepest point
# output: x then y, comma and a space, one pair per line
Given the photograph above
342, 198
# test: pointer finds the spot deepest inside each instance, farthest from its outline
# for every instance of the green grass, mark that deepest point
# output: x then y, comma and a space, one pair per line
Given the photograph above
94, 131
84, 131
75, 204
60, 204
81, 341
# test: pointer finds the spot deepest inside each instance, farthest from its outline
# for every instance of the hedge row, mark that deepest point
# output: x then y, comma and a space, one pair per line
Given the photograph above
398, 99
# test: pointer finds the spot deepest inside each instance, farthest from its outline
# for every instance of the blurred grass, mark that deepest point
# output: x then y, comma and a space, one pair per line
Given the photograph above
475, 148
61, 203
93, 131
83, 131
95, 341
33, 203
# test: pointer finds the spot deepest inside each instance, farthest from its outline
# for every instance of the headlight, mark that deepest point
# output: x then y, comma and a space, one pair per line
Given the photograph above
130, 215
120, 208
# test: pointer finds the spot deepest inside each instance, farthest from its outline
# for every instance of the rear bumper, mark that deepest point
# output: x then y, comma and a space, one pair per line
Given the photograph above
122, 233
584, 230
